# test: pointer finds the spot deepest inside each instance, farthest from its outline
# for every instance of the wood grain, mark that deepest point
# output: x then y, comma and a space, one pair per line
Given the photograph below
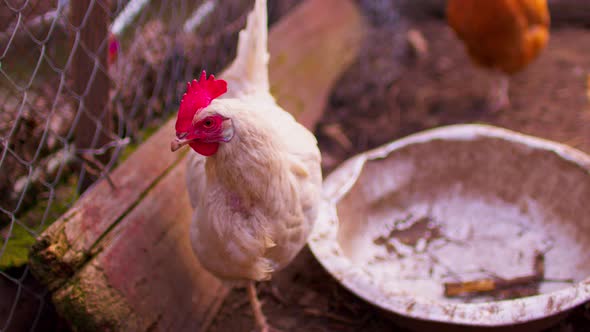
148, 260
327, 39
68, 243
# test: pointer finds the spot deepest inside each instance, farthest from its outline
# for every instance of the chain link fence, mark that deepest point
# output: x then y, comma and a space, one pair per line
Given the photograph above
82, 83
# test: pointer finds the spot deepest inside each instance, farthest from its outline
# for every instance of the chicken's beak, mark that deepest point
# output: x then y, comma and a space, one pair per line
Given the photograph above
177, 143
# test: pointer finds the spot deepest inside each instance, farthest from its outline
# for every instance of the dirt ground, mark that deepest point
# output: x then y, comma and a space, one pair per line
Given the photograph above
390, 93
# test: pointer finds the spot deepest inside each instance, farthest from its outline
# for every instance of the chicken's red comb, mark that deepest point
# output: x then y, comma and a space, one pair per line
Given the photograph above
199, 95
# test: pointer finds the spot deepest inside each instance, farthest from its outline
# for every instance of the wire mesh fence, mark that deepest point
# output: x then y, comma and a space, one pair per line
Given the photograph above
82, 83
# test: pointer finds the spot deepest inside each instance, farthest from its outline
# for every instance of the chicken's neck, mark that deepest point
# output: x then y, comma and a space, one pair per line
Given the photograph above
251, 166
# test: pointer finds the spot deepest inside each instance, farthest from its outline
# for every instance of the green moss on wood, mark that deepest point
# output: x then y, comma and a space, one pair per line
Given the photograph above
89, 303
47, 260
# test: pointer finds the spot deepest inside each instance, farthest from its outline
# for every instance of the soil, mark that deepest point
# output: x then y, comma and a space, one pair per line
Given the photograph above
392, 92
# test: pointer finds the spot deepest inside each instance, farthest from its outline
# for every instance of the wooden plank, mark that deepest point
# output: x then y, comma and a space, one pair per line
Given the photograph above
121, 260
68, 242
300, 81
149, 263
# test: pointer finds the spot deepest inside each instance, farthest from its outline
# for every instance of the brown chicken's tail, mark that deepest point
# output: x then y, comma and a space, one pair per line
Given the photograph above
535, 39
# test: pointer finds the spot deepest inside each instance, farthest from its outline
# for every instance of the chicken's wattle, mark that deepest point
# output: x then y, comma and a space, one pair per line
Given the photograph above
203, 148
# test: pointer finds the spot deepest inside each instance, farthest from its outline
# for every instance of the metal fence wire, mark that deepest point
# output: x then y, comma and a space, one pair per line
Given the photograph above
82, 83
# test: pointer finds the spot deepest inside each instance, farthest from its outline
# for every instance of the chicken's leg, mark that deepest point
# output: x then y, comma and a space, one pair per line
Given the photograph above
257, 308
499, 99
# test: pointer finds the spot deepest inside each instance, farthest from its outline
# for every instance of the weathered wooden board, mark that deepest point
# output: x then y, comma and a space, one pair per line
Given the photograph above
328, 35
146, 278
121, 259
69, 242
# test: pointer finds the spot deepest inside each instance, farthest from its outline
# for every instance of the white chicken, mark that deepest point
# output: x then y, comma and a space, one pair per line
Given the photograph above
255, 181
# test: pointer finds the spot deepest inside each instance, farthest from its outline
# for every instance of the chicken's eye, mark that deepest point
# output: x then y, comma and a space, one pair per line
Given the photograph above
207, 123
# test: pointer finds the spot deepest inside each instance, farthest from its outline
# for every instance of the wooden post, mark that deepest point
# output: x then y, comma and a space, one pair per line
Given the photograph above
121, 260
89, 82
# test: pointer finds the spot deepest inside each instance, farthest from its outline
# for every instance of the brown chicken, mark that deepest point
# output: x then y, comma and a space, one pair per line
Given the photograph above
254, 177
503, 35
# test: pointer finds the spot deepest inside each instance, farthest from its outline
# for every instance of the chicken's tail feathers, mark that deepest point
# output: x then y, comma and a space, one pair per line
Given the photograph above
248, 73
